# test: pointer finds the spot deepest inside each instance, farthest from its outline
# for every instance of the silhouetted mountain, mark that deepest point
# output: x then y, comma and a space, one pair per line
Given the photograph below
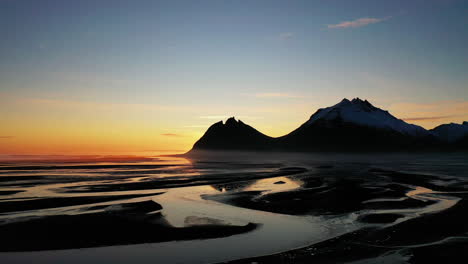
451, 132
354, 125
233, 135
363, 113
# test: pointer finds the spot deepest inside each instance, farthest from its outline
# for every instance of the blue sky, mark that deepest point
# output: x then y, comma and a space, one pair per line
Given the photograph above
196, 59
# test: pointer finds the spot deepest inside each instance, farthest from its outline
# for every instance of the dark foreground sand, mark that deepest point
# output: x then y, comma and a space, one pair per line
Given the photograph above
428, 237
404, 213
131, 223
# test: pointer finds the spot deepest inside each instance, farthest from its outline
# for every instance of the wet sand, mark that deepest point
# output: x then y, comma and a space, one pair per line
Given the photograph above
299, 209
426, 226
131, 223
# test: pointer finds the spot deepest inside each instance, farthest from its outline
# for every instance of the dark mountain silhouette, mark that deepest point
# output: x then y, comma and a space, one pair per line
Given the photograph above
233, 135
354, 125
451, 132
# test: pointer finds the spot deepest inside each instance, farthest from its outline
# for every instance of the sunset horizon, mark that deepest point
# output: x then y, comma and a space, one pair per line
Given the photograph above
83, 77
12, 145
240, 132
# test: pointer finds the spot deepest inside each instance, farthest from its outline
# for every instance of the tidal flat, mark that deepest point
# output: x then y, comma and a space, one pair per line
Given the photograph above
240, 208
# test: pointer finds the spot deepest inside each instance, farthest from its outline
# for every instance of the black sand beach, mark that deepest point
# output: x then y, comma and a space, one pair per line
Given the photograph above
327, 208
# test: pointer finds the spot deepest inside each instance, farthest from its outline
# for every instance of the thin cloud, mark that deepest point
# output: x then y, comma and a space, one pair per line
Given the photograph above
360, 22
428, 118
6, 137
163, 150
431, 114
286, 35
171, 135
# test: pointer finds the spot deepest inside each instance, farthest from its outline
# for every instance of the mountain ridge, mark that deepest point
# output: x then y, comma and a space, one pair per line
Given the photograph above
226, 136
350, 125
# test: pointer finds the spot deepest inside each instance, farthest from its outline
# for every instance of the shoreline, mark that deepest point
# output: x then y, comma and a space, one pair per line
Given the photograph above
281, 209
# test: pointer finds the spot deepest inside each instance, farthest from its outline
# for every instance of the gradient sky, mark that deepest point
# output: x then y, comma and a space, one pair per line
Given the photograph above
140, 76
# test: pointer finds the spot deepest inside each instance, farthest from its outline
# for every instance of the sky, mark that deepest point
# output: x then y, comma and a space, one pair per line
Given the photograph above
119, 77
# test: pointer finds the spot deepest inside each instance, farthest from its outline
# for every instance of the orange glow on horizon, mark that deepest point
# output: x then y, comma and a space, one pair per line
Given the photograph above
74, 128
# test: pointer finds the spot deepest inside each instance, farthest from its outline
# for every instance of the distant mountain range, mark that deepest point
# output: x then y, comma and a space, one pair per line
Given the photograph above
354, 125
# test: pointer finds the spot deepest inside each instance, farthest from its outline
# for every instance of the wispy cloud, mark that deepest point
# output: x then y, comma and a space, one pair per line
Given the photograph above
6, 137
431, 114
360, 22
171, 135
428, 118
100, 106
286, 35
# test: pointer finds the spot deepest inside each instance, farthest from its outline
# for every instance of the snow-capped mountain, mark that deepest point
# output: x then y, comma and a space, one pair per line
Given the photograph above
364, 113
354, 125
451, 132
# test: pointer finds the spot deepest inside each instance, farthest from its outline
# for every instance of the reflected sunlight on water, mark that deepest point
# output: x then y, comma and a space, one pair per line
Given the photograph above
194, 194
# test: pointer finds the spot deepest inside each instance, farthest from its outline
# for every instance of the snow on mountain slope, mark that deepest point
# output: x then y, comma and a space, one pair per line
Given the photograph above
364, 113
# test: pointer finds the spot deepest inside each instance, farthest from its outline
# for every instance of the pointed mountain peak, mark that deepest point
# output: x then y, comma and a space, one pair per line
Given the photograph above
361, 112
357, 100
356, 104
231, 121
343, 102
217, 124
232, 134
354, 100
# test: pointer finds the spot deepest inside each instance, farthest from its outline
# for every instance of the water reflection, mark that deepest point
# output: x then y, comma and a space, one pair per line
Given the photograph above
278, 184
233, 186
184, 183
